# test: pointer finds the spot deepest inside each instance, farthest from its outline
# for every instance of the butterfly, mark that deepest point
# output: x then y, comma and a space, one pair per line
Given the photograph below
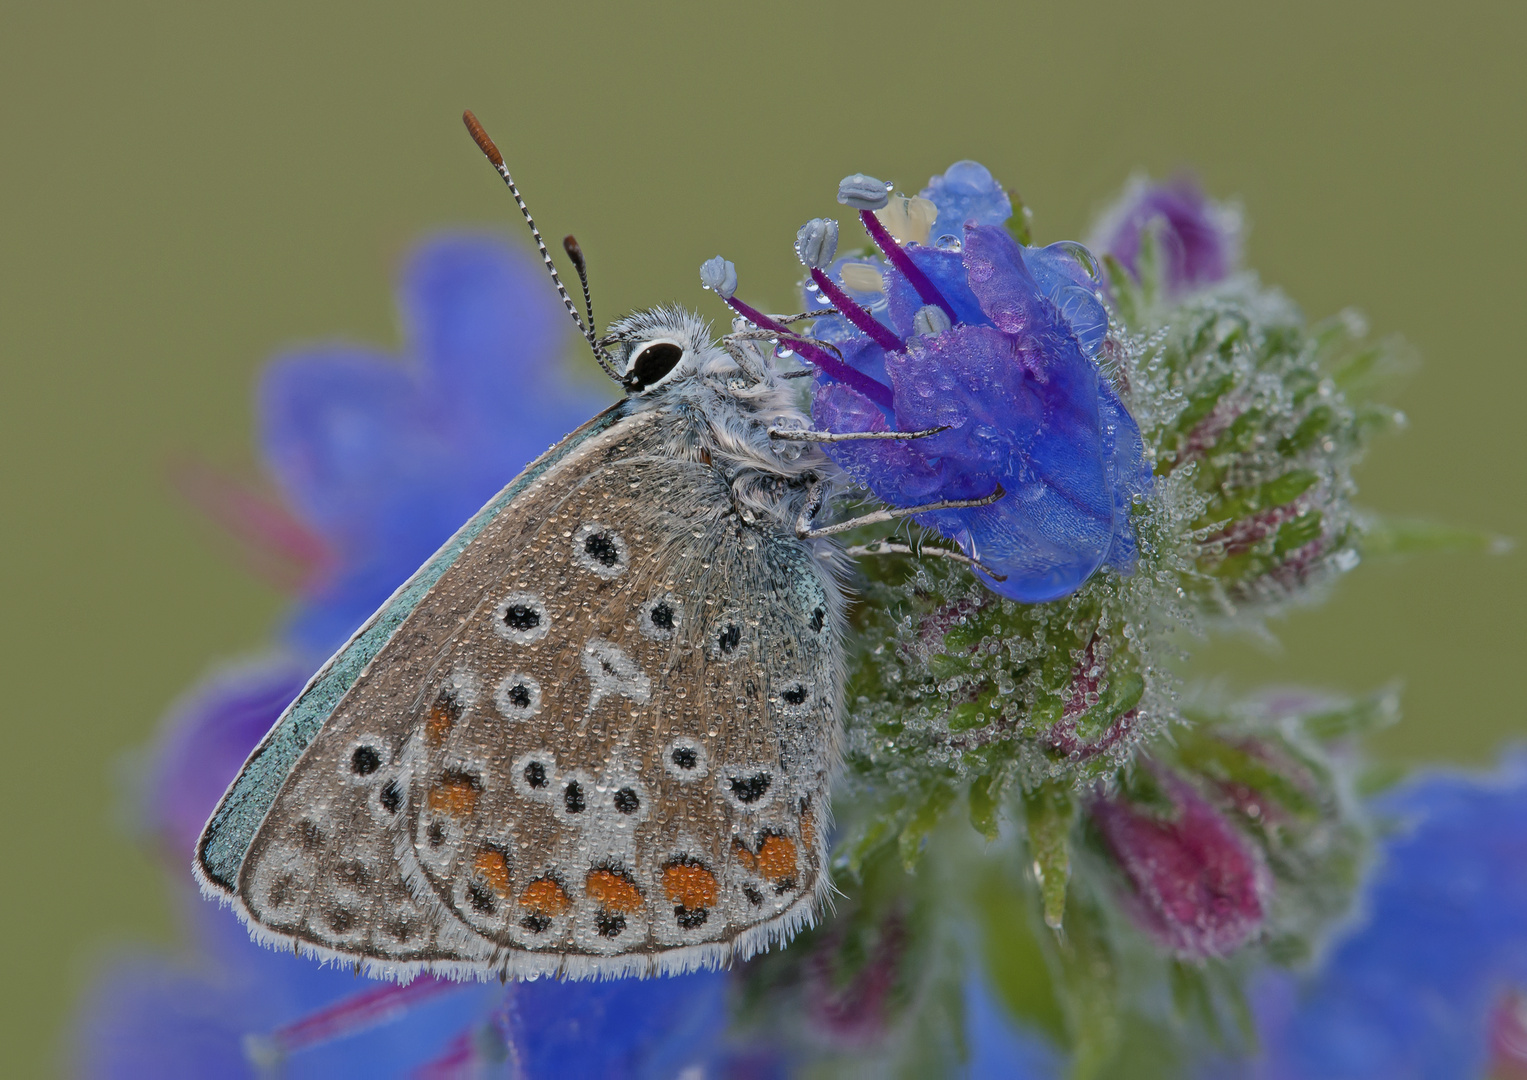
594, 735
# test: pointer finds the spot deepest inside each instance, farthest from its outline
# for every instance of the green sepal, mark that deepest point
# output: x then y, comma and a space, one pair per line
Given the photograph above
936, 798
1381, 536
1049, 810
986, 803
1361, 716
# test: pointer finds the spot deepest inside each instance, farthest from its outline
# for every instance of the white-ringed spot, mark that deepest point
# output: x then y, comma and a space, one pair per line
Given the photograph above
600, 550
660, 617
521, 617
518, 696
685, 759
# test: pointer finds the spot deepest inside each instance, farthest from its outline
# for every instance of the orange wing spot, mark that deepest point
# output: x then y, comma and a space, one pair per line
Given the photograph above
691, 886
546, 896
494, 868
776, 858
439, 722
456, 794
612, 891
808, 829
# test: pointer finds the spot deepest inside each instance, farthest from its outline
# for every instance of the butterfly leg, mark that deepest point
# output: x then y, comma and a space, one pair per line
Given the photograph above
802, 435
887, 547
804, 530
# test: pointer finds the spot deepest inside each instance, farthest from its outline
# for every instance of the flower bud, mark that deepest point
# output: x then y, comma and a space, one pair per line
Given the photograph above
1196, 885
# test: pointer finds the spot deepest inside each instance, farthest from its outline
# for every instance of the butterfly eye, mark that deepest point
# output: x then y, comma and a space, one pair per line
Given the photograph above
652, 364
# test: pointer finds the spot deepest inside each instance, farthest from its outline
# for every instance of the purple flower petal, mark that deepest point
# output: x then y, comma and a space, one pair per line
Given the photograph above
206, 739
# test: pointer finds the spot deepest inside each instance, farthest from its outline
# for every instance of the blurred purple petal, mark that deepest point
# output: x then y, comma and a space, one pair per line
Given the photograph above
205, 740
1200, 240
622, 1027
387, 456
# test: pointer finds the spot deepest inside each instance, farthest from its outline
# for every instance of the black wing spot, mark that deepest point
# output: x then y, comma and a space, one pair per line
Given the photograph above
729, 638
521, 617
609, 923
601, 547
749, 789
482, 899
662, 616
794, 695
572, 798
818, 619
626, 801
690, 920
436, 834
754, 896
535, 774
685, 757
365, 761
391, 797
535, 922
519, 696
783, 885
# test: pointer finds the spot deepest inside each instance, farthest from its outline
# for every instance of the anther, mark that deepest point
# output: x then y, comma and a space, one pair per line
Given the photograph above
719, 276
863, 192
817, 242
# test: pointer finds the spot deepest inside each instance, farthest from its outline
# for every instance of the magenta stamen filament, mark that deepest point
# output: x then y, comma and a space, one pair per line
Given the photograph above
830, 365
903, 262
855, 314
368, 1009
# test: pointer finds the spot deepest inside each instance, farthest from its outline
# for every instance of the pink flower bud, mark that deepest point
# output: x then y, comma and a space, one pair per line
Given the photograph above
1196, 885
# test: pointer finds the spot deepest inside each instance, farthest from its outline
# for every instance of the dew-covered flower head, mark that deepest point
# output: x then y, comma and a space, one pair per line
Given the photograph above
959, 327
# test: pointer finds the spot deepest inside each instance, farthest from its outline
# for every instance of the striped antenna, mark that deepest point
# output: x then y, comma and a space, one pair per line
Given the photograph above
485, 144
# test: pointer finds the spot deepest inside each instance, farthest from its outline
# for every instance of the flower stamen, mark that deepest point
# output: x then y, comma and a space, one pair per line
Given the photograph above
903, 262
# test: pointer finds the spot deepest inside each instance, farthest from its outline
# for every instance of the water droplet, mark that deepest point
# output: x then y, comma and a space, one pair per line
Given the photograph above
948, 242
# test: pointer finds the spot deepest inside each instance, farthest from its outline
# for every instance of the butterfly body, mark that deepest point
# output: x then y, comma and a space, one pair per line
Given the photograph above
594, 735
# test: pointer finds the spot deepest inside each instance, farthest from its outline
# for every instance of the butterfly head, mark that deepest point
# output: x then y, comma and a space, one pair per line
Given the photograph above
653, 349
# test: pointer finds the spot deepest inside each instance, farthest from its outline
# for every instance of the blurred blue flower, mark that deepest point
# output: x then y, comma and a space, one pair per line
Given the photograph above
999, 1047
382, 459
1415, 988
1199, 240
385, 456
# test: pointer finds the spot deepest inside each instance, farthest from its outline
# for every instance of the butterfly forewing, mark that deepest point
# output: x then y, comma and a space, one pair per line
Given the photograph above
599, 744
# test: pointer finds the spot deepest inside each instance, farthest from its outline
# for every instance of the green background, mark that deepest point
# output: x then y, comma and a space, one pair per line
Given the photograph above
187, 187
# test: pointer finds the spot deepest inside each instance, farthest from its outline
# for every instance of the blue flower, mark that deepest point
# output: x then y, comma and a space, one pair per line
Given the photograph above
1199, 240
999, 1047
1412, 991
998, 344
382, 459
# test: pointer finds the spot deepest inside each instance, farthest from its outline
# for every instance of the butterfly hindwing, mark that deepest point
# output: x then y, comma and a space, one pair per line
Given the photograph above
600, 742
